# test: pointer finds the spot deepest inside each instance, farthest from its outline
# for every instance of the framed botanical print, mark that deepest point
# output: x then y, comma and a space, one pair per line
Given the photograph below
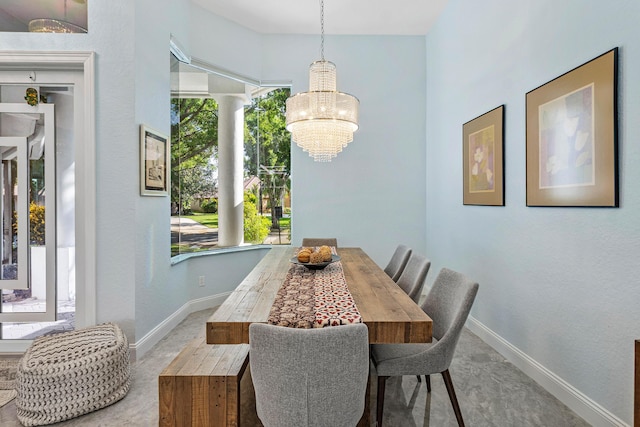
154, 162
572, 137
483, 159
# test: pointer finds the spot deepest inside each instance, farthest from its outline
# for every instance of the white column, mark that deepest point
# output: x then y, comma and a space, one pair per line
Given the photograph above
230, 170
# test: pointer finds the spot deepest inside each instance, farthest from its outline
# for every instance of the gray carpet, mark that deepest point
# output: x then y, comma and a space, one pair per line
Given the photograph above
491, 391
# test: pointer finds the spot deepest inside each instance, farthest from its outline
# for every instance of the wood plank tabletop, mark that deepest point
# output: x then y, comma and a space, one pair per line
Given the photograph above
390, 315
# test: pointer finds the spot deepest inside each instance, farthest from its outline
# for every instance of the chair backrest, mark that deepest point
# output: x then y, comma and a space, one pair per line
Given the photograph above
309, 377
448, 303
413, 276
317, 241
398, 262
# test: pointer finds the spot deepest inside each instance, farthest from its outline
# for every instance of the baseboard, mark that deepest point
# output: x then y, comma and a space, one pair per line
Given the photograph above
579, 403
140, 347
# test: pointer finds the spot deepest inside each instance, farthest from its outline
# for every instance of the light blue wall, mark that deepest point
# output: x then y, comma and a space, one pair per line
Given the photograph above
157, 293
162, 289
560, 284
223, 43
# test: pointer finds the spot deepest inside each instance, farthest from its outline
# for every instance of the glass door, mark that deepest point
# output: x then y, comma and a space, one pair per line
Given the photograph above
27, 213
39, 130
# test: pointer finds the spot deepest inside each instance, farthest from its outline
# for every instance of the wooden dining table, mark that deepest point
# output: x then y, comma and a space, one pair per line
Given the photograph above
389, 313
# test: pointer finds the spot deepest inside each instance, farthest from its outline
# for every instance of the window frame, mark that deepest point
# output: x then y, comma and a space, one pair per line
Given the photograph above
182, 57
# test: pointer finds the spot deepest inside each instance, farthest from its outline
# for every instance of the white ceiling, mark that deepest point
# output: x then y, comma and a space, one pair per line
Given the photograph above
391, 17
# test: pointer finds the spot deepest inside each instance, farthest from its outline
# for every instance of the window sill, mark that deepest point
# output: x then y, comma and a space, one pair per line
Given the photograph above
183, 257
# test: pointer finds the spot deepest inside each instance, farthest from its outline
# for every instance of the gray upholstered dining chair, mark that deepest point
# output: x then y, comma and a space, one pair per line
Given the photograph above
318, 241
309, 377
448, 304
398, 262
413, 276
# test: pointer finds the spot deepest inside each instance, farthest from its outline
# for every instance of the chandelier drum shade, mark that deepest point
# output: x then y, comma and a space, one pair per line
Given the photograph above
322, 121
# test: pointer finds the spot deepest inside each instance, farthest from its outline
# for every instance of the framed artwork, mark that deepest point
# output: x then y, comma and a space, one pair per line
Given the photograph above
154, 162
483, 164
572, 157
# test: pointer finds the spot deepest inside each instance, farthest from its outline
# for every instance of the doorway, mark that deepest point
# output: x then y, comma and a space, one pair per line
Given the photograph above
47, 249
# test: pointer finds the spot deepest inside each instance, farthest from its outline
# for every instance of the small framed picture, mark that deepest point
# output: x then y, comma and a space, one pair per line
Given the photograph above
154, 162
572, 145
483, 159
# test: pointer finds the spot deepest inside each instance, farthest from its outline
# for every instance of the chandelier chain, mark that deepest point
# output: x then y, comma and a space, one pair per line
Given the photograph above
322, 30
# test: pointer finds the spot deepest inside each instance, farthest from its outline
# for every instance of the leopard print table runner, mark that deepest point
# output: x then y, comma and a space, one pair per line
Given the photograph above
294, 303
314, 299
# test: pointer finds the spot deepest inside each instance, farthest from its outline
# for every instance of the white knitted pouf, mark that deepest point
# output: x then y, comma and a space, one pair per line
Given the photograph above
66, 375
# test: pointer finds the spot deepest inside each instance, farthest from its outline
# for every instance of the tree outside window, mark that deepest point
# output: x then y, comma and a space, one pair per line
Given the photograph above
194, 157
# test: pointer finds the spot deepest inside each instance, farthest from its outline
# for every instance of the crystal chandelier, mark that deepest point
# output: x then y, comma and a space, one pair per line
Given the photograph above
322, 120
48, 25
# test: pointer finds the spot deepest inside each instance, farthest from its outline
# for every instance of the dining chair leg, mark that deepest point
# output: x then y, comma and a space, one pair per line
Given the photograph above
419, 378
380, 402
452, 395
428, 378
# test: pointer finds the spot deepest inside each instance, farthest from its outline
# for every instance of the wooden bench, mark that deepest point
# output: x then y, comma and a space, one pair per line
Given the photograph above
201, 386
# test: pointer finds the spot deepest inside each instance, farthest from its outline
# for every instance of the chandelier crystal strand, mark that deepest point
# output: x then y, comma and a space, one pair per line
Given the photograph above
322, 120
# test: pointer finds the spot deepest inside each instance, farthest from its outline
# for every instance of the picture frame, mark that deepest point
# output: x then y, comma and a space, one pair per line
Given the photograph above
571, 137
483, 159
155, 152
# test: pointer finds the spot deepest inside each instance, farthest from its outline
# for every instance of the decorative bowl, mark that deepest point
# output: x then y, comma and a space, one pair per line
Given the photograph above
318, 266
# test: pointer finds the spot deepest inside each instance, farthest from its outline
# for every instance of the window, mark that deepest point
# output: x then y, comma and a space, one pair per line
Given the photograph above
201, 186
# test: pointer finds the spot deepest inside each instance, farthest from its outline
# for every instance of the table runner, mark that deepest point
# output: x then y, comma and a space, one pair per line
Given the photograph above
314, 299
